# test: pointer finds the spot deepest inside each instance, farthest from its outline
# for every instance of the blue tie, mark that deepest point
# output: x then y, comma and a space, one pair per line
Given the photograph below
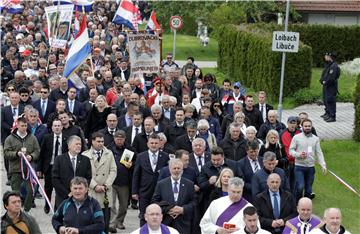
175, 188
276, 207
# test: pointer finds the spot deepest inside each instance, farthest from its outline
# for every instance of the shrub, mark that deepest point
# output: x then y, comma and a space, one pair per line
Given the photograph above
356, 135
245, 54
306, 96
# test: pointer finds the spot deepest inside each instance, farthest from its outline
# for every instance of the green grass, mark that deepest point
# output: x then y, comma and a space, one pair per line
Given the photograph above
342, 157
190, 46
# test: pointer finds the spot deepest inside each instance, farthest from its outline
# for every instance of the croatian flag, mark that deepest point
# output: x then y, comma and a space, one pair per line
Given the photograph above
78, 53
126, 14
12, 6
81, 5
152, 23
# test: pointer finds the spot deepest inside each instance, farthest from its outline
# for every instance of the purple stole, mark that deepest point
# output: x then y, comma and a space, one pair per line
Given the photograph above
294, 225
145, 230
230, 212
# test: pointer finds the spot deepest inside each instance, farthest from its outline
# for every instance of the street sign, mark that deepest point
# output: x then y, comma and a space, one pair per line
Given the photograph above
176, 22
285, 41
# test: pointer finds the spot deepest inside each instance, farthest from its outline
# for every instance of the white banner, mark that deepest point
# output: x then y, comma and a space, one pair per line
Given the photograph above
59, 22
144, 50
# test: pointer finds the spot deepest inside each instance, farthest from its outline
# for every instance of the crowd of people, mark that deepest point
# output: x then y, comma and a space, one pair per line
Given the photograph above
191, 155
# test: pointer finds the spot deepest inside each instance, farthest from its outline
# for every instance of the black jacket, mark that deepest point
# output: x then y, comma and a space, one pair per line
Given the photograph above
173, 131
234, 150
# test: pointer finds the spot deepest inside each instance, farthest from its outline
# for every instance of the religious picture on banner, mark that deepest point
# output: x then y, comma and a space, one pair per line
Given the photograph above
144, 52
59, 22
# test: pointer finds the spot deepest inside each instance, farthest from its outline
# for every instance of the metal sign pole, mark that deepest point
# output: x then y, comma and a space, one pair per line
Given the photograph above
283, 64
174, 44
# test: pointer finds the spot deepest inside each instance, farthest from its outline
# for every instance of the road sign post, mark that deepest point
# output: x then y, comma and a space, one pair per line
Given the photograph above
175, 23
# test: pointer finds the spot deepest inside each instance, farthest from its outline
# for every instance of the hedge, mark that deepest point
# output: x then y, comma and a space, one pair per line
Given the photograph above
245, 55
324, 38
356, 135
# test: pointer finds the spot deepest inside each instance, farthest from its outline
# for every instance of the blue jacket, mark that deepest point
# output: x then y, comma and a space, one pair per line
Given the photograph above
89, 219
215, 128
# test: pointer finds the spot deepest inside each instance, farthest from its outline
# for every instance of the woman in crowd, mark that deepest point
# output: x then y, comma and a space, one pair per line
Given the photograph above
250, 134
221, 185
203, 132
97, 116
272, 144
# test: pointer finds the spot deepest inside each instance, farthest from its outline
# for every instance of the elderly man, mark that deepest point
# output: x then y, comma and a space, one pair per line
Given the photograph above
178, 211
270, 123
275, 206
199, 157
153, 217
305, 221
332, 219
226, 210
234, 145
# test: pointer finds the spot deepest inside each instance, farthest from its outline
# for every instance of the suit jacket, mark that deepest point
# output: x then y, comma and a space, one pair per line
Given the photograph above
140, 142
78, 110
62, 173
51, 107
186, 199
122, 122
193, 161
172, 114
129, 132
46, 151
7, 120
183, 142
245, 170
57, 94
144, 178
267, 108
108, 138
265, 210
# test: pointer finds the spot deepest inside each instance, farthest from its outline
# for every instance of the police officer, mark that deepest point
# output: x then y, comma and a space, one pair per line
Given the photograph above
329, 80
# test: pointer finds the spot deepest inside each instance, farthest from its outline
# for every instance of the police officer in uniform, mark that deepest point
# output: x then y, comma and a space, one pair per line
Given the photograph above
329, 80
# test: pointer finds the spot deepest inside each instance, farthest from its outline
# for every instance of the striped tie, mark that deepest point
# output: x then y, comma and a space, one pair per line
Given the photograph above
256, 167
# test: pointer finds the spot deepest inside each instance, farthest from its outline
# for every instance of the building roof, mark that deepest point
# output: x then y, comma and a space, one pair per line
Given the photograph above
326, 6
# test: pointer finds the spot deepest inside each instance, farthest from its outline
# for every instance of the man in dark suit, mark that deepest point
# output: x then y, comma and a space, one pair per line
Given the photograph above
275, 206
262, 106
161, 122
135, 129
60, 92
185, 141
67, 166
53, 144
176, 128
74, 106
259, 179
44, 105
140, 140
109, 131
210, 172
247, 167
9, 114
177, 196
126, 119
146, 172
252, 114
198, 157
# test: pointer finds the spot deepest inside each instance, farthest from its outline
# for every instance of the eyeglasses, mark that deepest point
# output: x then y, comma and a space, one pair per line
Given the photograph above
235, 87
10, 89
168, 57
24, 95
45, 92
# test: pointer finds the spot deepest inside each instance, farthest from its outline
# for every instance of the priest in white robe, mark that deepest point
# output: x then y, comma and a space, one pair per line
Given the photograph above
226, 213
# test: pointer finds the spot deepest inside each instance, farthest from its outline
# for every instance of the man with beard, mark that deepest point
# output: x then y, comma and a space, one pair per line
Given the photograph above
305, 148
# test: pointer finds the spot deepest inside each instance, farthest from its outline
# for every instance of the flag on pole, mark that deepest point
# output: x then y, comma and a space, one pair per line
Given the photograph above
81, 5
152, 23
126, 14
12, 6
78, 53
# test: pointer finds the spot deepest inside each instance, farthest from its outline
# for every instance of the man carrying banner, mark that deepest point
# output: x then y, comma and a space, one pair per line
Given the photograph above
21, 142
225, 215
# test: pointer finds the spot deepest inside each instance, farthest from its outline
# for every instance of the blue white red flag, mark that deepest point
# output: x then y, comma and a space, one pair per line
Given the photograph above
11, 6
78, 53
80, 5
127, 14
152, 23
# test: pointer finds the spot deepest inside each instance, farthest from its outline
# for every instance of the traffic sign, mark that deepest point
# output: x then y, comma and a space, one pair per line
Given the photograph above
285, 41
176, 22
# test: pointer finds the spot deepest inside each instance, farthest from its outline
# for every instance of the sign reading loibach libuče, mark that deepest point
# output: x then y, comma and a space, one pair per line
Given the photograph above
285, 41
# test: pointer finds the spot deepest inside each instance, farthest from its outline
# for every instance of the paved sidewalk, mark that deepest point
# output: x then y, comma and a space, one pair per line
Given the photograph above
201, 64
342, 129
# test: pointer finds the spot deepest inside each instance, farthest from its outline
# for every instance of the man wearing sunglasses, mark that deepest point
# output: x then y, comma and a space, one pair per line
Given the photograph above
44, 105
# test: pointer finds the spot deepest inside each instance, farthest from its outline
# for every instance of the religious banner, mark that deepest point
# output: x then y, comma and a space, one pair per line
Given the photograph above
144, 50
59, 22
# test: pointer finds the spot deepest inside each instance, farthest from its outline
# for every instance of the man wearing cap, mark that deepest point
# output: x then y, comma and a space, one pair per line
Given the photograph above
121, 69
237, 92
98, 59
285, 140
329, 80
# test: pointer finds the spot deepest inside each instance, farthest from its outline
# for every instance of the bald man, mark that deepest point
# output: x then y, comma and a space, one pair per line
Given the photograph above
153, 217
275, 206
305, 221
332, 219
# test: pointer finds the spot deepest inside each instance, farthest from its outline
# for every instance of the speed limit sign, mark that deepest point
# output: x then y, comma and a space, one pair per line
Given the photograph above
176, 22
